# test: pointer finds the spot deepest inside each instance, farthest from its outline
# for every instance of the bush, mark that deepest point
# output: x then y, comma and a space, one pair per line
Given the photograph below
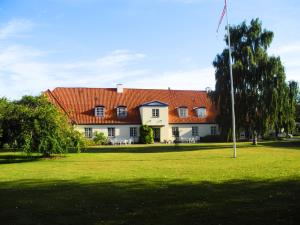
100, 139
212, 138
146, 135
77, 140
33, 124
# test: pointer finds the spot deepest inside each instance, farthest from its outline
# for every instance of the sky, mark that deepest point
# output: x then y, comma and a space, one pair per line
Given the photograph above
139, 43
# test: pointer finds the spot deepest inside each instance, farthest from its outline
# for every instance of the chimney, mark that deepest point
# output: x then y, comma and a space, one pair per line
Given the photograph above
119, 88
208, 89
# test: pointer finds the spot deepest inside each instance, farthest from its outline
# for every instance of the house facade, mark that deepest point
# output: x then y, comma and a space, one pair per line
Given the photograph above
183, 115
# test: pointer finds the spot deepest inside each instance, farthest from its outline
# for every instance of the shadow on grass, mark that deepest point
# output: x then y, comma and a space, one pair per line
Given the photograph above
146, 202
293, 144
160, 148
18, 158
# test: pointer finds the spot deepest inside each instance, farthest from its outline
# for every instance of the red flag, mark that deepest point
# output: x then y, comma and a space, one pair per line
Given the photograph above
222, 15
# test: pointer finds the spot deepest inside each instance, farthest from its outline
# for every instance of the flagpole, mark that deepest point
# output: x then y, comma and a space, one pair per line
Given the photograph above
231, 84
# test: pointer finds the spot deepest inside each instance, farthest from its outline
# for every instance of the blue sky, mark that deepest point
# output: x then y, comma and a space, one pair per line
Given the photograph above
140, 43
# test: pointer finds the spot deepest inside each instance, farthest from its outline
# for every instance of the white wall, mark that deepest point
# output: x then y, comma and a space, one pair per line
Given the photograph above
147, 119
123, 131
185, 130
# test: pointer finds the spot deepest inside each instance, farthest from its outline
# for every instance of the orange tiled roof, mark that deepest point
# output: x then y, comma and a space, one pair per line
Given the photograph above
79, 104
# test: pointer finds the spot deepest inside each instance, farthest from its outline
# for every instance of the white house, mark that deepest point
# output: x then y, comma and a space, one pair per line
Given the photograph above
119, 112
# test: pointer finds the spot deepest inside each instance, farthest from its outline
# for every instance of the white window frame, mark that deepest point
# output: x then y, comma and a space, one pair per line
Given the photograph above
88, 132
155, 113
183, 112
111, 132
195, 131
99, 111
121, 111
201, 112
133, 131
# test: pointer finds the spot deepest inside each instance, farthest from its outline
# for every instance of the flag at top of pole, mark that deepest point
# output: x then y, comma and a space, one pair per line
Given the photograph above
222, 16
225, 11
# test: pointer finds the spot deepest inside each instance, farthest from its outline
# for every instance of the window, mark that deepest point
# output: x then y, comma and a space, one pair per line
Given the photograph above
88, 132
122, 111
155, 112
195, 131
213, 130
182, 112
201, 112
175, 131
133, 132
111, 132
99, 111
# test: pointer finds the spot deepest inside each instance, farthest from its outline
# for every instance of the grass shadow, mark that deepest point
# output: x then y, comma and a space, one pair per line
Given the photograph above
148, 202
160, 148
294, 144
18, 158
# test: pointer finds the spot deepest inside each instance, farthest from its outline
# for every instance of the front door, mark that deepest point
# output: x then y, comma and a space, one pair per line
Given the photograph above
156, 134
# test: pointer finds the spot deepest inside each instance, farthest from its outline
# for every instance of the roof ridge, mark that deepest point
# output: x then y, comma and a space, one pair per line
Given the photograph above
154, 89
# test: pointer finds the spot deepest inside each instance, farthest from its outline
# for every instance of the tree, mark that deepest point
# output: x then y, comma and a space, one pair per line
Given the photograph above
298, 106
3, 107
290, 107
146, 135
33, 124
260, 89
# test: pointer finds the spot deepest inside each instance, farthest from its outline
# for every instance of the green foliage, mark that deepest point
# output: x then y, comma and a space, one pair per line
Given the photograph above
77, 140
100, 139
3, 106
33, 124
298, 113
146, 135
89, 142
263, 99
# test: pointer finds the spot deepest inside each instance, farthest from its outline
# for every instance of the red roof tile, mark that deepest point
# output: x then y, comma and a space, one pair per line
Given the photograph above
79, 104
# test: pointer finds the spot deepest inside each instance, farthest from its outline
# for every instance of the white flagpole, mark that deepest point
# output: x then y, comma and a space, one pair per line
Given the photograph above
231, 84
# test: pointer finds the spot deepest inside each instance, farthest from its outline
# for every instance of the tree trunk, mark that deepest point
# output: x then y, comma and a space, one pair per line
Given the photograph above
254, 140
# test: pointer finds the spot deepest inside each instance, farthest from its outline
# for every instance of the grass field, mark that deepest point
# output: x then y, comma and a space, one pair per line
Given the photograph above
158, 184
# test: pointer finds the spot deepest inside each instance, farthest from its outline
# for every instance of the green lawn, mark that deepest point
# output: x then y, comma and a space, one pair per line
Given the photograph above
158, 184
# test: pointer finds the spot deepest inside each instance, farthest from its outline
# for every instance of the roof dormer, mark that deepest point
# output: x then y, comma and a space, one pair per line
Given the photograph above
155, 104
182, 111
201, 112
99, 111
121, 111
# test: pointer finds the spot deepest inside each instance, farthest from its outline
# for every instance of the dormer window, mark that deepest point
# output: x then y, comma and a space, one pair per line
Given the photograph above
99, 111
201, 112
121, 111
183, 112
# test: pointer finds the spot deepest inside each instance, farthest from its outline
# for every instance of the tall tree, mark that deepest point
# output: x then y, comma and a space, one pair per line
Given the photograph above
260, 88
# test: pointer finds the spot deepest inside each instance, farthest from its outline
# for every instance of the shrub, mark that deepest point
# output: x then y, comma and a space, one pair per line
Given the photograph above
33, 124
146, 135
77, 140
100, 139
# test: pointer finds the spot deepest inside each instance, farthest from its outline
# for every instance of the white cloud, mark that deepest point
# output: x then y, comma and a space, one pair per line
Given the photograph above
290, 48
22, 71
15, 28
194, 79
